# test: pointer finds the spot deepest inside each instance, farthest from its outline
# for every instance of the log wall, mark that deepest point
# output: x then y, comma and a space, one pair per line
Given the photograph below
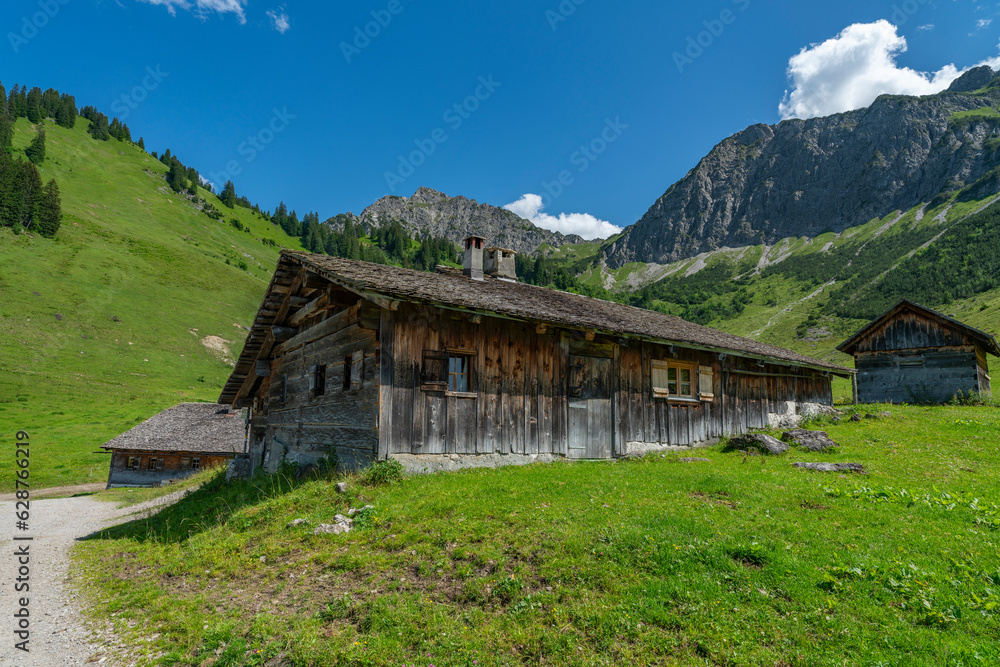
122, 475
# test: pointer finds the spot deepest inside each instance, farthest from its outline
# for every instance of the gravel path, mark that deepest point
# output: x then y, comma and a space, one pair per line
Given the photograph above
59, 636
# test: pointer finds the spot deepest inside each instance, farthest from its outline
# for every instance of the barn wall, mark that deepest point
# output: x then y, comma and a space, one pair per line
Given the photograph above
928, 376
520, 405
300, 425
984, 370
121, 475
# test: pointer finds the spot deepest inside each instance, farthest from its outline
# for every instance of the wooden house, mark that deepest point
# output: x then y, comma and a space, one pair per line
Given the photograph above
364, 361
176, 443
912, 354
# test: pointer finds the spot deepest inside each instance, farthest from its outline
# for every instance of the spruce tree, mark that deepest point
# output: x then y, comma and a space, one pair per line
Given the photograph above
99, 127
29, 195
142, 144
228, 195
49, 210
177, 176
66, 115
192, 176
36, 150
34, 111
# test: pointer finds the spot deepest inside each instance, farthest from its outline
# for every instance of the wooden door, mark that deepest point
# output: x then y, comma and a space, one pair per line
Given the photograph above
590, 415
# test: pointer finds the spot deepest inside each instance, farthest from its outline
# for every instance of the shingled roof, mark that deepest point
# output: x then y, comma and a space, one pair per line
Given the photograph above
199, 428
507, 299
988, 341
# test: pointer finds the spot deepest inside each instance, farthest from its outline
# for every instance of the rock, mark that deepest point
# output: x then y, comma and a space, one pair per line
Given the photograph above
691, 459
759, 441
341, 487
298, 522
239, 468
833, 467
351, 512
871, 415
855, 417
340, 518
813, 441
332, 529
836, 420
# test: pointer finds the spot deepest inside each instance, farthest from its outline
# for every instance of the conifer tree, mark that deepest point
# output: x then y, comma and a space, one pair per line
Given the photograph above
36, 150
99, 127
28, 196
177, 176
228, 195
66, 115
49, 210
6, 123
34, 110
142, 144
192, 176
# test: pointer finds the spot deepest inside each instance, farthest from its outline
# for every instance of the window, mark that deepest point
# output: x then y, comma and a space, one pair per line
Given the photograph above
458, 373
185, 463
449, 370
354, 371
156, 463
134, 462
317, 380
195, 463
682, 381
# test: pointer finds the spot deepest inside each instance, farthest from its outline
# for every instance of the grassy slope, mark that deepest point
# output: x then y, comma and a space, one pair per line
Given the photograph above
653, 561
126, 249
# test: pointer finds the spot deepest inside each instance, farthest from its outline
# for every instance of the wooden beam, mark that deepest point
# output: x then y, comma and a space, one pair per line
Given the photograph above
542, 329
314, 307
339, 321
263, 368
281, 334
383, 302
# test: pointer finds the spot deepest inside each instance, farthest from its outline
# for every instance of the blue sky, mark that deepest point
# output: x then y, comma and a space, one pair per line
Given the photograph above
594, 107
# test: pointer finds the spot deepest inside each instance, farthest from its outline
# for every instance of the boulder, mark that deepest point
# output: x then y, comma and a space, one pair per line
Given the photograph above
855, 417
332, 529
341, 487
833, 467
298, 522
813, 441
758, 441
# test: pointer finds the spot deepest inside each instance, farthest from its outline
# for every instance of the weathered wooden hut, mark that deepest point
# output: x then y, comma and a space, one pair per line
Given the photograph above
912, 354
176, 443
364, 361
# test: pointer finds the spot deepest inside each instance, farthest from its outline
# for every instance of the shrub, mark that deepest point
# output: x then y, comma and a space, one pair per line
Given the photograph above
382, 473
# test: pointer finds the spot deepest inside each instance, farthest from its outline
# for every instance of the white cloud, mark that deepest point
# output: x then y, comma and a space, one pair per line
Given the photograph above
203, 7
926, 26
852, 69
530, 207
983, 23
280, 19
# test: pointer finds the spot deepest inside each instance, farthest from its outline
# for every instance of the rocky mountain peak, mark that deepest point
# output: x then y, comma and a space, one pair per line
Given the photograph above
974, 79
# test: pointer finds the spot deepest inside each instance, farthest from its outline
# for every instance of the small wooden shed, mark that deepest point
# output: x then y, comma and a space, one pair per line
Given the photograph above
912, 354
365, 361
176, 443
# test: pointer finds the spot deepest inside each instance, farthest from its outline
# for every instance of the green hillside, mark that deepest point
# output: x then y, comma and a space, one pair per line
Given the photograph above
139, 302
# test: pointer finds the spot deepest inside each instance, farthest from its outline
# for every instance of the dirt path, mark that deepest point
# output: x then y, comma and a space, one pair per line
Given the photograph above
59, 636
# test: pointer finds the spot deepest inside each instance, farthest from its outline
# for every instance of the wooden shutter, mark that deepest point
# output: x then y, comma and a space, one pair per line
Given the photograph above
706, 384
660, 379
434, 374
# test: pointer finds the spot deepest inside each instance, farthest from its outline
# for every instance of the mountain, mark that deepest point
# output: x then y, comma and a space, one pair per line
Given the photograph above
455, 218
800, 178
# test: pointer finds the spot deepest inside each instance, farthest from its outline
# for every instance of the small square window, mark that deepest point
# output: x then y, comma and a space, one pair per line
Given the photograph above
672, 379
134, 462
185, 463
195, 464
155, 463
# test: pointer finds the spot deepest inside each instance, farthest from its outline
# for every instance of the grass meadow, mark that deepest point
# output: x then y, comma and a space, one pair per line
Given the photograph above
740, 560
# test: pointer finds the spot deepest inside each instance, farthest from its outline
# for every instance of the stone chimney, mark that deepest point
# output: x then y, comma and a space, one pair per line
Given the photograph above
500, 263
472, 263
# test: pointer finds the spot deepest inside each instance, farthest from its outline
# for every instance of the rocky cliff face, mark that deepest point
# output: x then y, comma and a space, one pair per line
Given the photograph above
801, 178
456, 218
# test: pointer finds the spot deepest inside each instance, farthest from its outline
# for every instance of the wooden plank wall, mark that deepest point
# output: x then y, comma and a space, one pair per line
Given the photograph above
520, 406
933, 376
910, 331
303, 427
